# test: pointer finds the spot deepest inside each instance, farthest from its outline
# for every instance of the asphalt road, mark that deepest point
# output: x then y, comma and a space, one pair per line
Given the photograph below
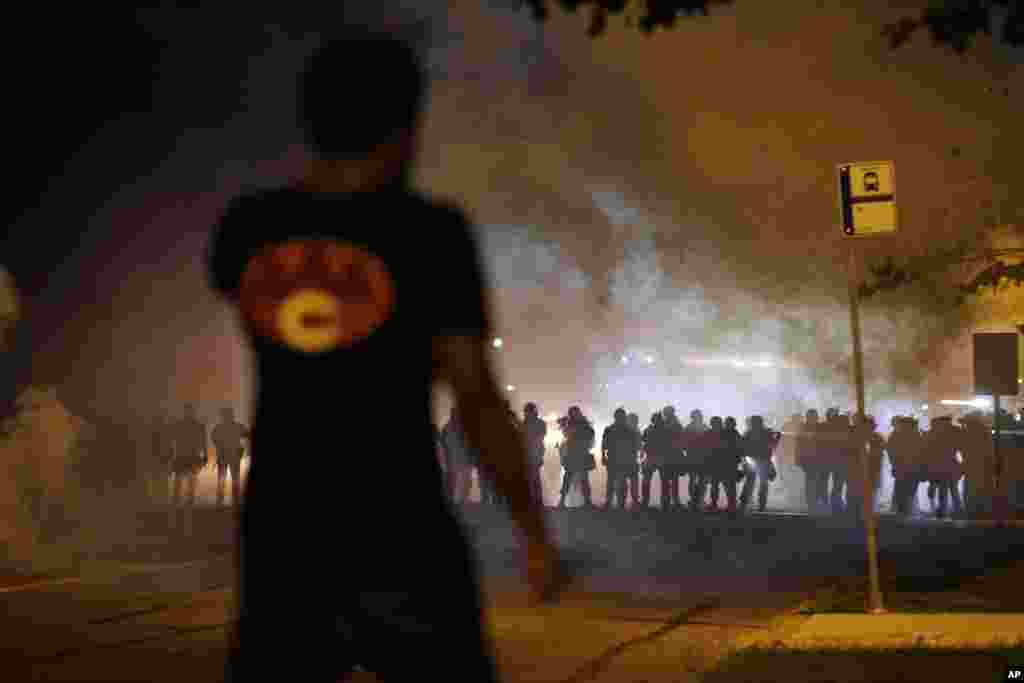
658, 597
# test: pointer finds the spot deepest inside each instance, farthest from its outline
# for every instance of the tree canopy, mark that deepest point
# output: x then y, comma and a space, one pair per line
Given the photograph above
952, 23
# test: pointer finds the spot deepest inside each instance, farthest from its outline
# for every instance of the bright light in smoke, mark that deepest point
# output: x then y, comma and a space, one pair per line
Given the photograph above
978, 402
650, 359
497, 343
510, 388
924, 407
625, 360
738, 363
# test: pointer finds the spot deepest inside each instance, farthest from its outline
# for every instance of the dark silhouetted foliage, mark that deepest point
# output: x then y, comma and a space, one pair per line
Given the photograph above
952, 23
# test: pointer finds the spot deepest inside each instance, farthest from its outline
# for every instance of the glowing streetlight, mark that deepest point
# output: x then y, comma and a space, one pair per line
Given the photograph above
510, 388
497, 343
924, 407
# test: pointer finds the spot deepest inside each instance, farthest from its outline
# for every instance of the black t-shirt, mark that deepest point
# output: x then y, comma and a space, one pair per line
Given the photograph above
341, 296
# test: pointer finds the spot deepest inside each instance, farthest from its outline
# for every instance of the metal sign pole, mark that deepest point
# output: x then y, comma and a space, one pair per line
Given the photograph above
998, 499
875, 605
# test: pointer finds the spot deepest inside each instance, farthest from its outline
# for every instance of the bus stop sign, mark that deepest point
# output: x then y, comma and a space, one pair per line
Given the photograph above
867, 198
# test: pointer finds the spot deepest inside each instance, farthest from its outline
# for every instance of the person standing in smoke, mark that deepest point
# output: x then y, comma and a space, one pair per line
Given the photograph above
835, 443
726, 456
675, 456
864, 442
808, 458
941, 445
459, 460
162, 448
633, 472
227, 437
654, 445
904, 448
858, 439
609, 468
488, 490
534, 431
876, 456
758, 444
787, 445
578, 460
620, 445
696, 459
337, 289
978, 464
190, 454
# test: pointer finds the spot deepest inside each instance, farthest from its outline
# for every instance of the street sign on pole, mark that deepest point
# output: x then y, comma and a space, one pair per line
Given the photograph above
867, 198
867, 208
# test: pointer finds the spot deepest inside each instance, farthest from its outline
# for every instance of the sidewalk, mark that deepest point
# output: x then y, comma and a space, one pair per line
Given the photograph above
985, 611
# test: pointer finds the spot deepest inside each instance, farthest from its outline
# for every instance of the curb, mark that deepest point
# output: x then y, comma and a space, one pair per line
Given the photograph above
798, 633
906, 641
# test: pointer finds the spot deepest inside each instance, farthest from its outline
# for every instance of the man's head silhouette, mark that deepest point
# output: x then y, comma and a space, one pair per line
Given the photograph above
360, 100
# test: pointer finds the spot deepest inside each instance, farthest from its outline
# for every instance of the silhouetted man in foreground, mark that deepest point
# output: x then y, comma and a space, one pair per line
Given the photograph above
338, 280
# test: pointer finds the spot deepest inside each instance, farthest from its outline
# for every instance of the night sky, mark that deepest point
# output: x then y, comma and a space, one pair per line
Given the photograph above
635, 195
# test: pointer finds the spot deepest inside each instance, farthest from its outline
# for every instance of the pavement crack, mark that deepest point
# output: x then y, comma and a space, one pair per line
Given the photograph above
153, 609
593, 667
130, 615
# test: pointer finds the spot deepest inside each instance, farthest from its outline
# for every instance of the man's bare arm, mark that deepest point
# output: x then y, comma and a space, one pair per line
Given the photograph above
462, 363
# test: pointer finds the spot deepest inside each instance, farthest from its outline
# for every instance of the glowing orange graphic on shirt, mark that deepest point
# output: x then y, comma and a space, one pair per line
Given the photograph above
316, 295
